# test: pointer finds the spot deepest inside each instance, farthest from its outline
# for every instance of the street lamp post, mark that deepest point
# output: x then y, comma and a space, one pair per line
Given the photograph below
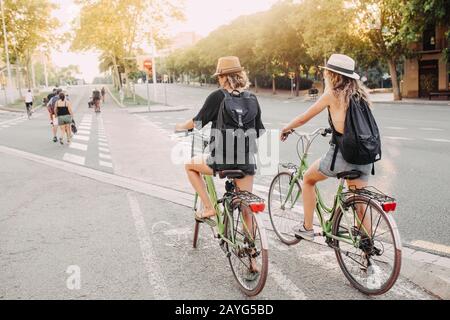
8, 66
152, 40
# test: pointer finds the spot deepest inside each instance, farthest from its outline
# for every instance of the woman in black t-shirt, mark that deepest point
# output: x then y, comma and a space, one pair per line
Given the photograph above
231, 77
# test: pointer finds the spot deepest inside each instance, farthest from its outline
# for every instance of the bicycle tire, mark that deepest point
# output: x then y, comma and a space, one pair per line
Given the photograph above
391, 227
285, 235
264, 265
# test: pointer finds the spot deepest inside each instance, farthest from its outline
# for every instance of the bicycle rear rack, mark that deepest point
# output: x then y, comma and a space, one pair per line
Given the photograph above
388, 203
255, 203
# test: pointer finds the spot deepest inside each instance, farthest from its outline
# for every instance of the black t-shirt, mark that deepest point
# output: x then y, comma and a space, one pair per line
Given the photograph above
210, 111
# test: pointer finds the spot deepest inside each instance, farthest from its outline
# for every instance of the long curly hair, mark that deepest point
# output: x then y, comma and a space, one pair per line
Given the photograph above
344, 88
237, 81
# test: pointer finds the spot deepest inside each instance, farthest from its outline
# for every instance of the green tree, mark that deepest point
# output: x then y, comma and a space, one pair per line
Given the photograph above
28, 27
117, 28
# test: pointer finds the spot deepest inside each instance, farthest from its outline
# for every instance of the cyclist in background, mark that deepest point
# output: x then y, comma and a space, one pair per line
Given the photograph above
28, 102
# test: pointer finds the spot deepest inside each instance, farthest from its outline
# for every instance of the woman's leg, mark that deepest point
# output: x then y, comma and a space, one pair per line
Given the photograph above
312, 176
195, 169
246, 184
361, 208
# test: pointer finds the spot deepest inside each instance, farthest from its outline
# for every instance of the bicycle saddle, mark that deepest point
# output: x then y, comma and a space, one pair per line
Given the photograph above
349, 175
231, 174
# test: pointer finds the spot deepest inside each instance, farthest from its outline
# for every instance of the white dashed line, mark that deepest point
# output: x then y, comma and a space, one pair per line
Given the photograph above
399, 138
438, 140
397, 128
103, 144
103, 149
81, 138
105, 164
78, 146
431, 129
105, 156
74, 159
286, 284
85, 132
154, 274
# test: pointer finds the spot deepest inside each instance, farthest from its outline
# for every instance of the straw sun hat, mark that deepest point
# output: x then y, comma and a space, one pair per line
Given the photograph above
342, 64
228, 65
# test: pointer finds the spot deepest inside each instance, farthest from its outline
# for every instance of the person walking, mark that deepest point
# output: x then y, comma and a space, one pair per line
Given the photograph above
63, 110
103, 92
52, 98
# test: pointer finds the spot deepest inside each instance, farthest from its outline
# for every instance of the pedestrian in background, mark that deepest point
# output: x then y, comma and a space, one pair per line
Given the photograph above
63, 110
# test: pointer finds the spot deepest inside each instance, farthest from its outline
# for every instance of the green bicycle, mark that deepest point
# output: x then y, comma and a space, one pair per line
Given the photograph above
238, 227
358, 226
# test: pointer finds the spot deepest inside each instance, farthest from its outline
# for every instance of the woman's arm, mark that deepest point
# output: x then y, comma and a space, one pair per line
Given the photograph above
313, 111
188, 125
70, 108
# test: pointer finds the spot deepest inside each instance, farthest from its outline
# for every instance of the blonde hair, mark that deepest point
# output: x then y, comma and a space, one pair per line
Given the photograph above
344, 88
237, 81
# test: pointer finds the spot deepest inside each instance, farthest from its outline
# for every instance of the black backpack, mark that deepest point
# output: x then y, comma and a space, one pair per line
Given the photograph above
361, 142
96, 94
237, 120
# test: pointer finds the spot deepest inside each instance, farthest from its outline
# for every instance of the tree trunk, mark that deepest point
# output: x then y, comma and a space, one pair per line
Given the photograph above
274, 85
116, 70
394, 79
256, 85
19, 80
297, 84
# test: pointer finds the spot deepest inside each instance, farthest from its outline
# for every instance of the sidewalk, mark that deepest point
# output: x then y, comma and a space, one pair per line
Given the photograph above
386, 98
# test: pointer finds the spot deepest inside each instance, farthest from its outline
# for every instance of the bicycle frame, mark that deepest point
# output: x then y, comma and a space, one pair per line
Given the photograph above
321, 207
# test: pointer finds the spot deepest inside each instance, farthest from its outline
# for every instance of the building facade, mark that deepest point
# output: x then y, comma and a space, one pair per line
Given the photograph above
429, 70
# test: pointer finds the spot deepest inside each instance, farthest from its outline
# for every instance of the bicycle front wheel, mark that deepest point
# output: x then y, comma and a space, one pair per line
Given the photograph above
248, 249
371, 258
285, 207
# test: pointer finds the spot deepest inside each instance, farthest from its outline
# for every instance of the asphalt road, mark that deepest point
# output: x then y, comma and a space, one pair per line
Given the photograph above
132, 245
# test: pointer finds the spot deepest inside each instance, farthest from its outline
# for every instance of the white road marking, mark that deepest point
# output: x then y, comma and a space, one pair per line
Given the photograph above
105, 164
103, 149
399, 138
5, 126
431, 246
81, 138
78, 146
438, 140
86, 132
396, 128
102, 144
105, 156
431, 129
74, 159
286, 284
155, 276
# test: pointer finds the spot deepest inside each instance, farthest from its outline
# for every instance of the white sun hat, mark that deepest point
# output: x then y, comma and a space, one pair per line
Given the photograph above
342, 64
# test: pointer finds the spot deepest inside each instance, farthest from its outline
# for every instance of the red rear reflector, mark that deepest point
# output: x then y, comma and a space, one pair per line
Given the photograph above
257, 207
389, 206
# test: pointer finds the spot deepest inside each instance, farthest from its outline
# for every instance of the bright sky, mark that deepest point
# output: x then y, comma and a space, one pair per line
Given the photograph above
202, 17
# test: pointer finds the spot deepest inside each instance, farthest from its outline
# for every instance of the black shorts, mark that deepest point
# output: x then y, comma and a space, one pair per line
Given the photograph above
248, 169
28, 104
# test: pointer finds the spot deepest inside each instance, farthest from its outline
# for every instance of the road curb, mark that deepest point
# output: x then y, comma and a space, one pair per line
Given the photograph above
429, 271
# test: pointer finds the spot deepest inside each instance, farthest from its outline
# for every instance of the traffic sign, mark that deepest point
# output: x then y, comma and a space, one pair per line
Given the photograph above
148, 66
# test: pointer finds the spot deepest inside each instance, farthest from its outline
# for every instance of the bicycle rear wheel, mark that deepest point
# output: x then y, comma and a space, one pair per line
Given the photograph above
249, 250
285, 209
372, 264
